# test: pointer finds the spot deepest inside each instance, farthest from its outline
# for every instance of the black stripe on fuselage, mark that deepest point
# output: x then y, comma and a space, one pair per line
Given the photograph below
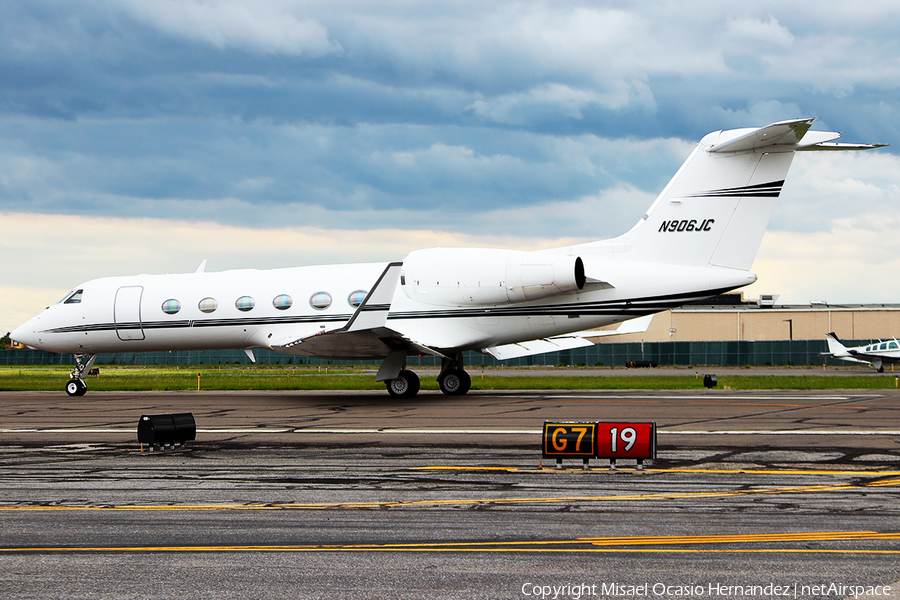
238, 322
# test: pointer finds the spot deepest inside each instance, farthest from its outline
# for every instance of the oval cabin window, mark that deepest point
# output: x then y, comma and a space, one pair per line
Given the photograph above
245, 303
208, 305
170, 307
282, 302
320, 300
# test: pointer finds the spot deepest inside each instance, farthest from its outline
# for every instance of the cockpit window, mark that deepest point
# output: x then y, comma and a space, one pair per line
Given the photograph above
74, 297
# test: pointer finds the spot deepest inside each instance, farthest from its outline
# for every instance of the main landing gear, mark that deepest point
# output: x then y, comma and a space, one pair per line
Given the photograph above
453, 380
76, 385
404, 385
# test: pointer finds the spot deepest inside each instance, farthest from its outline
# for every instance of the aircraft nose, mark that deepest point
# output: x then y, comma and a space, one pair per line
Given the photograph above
24, 334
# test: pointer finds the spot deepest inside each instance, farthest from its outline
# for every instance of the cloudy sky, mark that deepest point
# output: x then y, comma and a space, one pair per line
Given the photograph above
142, 136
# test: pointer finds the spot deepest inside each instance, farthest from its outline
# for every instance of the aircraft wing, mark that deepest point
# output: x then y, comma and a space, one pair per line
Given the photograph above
847, 358
565, 342
365, 334
341, 344
636, 325
885, 358
552, 344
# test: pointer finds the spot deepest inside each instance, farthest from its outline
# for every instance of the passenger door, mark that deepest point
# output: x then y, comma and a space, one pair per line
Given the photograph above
127, 313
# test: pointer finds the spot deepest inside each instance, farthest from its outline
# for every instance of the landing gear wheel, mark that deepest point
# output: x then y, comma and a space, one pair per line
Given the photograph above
405, 385
76, 387
83, 364
880, 369
455, 382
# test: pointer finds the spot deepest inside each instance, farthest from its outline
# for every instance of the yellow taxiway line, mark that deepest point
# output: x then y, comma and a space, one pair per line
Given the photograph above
610, 544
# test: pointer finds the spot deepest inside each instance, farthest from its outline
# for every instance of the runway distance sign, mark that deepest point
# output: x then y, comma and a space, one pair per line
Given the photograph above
569, 440
626, 440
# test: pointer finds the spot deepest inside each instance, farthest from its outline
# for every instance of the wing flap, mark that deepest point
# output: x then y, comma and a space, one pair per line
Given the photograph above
568, 341
554, 344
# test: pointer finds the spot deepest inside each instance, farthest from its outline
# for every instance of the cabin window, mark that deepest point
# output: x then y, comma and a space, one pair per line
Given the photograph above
282, 302
356, 298
892, 346
884, 346
245, 303
170, 307
320, 300
74, 297
208, 305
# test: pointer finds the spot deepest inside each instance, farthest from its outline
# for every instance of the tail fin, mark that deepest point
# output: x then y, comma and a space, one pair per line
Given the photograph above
716, 208
835, 348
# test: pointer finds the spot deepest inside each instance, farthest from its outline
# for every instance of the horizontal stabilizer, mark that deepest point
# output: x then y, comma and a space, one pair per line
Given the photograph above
788, 133
840, 146
791, 135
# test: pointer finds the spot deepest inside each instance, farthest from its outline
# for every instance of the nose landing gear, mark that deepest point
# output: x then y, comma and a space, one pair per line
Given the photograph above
76, 385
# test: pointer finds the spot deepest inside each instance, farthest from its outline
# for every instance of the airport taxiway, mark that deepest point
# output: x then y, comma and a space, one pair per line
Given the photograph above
350, 494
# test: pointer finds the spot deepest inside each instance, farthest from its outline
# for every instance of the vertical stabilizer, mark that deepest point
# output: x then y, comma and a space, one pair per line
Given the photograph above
716, 208
835, 347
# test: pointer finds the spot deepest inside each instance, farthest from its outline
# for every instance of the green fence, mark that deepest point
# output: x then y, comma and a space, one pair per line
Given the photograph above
764, 353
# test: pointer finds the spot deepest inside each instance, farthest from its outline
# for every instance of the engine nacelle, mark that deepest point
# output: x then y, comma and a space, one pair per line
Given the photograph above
467, 276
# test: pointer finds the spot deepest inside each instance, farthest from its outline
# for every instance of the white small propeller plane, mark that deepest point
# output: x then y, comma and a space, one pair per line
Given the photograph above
876, 354
697, 240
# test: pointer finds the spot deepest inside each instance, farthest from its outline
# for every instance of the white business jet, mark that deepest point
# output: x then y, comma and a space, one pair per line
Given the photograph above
697, 240
876, 354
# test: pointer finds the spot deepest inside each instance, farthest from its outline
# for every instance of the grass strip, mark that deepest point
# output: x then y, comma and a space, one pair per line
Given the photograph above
28, 378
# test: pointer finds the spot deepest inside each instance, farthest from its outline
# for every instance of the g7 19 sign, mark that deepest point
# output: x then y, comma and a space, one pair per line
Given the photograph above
599, 440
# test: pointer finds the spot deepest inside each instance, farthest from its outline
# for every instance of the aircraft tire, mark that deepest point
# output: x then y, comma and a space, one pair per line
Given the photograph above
881, 369
405, 385
76, 387
455, 382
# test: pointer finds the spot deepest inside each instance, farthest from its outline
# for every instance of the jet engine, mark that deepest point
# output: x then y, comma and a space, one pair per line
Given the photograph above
479, 276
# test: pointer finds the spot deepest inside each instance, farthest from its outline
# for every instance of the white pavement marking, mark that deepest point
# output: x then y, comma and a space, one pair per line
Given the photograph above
387, 431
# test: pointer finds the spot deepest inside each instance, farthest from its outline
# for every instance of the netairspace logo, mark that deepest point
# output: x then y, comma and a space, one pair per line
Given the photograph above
576, 591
